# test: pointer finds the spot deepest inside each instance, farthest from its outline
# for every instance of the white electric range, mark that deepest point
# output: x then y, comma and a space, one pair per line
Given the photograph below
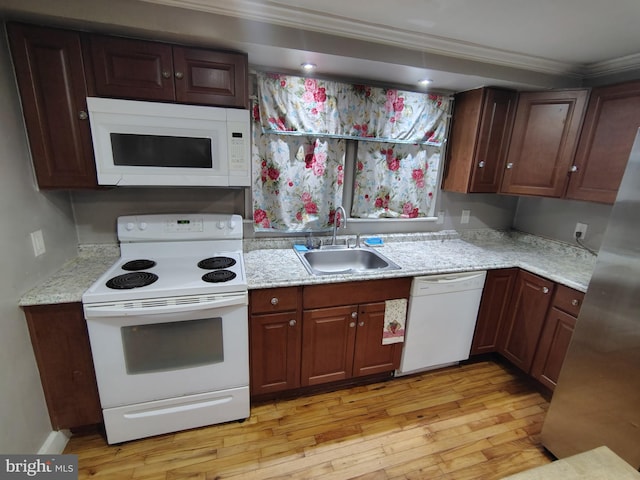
168, 326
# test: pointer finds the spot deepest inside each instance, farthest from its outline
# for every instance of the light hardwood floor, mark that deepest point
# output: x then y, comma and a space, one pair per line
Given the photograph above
476, 421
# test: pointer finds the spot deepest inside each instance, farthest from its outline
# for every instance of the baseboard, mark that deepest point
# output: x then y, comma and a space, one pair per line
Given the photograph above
55, 443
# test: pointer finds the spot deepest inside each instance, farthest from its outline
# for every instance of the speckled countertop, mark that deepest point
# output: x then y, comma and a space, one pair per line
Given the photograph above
273, 263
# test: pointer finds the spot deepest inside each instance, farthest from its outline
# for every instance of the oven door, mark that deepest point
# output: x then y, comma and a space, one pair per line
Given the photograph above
159, 349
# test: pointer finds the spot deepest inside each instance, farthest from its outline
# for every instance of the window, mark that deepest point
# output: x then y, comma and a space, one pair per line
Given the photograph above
302, 127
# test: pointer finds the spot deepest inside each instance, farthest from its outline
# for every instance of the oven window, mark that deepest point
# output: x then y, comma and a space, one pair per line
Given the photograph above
160, 151
160, 347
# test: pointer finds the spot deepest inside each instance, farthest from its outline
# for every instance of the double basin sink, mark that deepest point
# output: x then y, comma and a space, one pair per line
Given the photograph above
340, 260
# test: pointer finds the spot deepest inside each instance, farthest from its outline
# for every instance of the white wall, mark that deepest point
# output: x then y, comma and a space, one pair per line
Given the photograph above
556, 219
24, 421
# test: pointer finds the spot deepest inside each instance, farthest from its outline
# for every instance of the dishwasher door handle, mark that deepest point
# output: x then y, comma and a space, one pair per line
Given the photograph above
441, 279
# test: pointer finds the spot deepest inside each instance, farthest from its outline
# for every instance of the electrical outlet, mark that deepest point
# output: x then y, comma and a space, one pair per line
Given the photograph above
582, 228
464, 218
37, 241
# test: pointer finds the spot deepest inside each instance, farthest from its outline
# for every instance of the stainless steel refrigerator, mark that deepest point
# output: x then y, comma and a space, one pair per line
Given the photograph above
597, 398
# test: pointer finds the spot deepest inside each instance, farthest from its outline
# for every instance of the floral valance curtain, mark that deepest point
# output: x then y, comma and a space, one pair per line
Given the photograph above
395, 180
299, 131
302, 106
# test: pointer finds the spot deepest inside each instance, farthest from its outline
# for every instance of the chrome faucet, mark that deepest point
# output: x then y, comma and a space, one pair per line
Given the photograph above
341, 223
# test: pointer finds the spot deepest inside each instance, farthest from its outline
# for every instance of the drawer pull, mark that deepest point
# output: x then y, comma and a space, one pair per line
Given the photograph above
274, 301
354, 314
545, 290
481, 164
292, 323
575, 302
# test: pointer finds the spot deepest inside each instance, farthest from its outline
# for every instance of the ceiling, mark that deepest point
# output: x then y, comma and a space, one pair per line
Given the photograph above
459, 44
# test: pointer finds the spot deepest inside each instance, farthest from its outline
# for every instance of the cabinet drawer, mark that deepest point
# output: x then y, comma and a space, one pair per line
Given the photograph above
568, 300
274, 299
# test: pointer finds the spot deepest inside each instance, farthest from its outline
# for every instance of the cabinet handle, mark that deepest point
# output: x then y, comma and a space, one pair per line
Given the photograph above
575, 302
574, 168
166, 74
481, 164
82, 115
509, 166
292, 323
352, 324
545, 290
361, 324
354, 314
179, 75
274, 301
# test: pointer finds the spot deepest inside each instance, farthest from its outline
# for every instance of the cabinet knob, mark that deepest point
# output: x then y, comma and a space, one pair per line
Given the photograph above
481, 164
166, 74
354, 314
292, 323
179, 75
361, 324
352, 324
509, 165
574, 168
545, 290
575, 302
274, 301
82, 115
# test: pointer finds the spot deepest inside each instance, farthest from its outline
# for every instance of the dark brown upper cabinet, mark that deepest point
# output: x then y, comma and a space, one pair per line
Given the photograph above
53, 89
543, 142
610, 127
479, 140
144, 70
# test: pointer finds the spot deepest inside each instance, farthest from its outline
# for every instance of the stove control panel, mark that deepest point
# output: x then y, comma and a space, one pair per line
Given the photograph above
205, 226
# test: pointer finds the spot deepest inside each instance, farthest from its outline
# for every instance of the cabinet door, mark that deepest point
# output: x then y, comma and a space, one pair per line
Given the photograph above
136, 69
50, 73
481, 124
370, 355
543, 142
496, 297
275, 341
328, 337
610, 127
553, 346
493, 140
61, 345
529, 304
211, 78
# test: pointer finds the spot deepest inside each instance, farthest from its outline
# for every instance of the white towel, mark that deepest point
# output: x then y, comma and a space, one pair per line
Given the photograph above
395, 314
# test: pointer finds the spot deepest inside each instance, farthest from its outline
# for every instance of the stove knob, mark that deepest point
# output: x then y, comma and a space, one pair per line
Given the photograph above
221, 225
232, 225
143, 225
130, 226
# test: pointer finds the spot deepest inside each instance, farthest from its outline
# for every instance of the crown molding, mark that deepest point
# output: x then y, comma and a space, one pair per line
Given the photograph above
613, 67
306, 19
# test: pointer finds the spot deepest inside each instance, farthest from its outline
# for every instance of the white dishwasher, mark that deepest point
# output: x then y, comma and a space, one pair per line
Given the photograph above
441, 320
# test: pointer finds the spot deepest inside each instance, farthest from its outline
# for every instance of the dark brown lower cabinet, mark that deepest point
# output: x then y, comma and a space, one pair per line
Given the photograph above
345, 342
521, 331
556, 336
61, 345
275, 338
529, 320
494, 305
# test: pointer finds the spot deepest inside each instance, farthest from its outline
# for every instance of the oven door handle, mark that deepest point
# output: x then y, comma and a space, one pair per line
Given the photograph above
192, 303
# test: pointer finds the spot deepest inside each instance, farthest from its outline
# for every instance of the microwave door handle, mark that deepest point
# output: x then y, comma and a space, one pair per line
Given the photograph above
121, 309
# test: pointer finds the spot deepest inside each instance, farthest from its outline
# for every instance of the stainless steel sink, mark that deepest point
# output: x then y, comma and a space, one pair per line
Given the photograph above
335, 261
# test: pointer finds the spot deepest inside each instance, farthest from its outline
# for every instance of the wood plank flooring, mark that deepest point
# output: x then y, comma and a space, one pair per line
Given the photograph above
476, 421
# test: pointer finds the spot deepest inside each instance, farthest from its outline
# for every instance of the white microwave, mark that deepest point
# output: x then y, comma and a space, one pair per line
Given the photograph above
164, 144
